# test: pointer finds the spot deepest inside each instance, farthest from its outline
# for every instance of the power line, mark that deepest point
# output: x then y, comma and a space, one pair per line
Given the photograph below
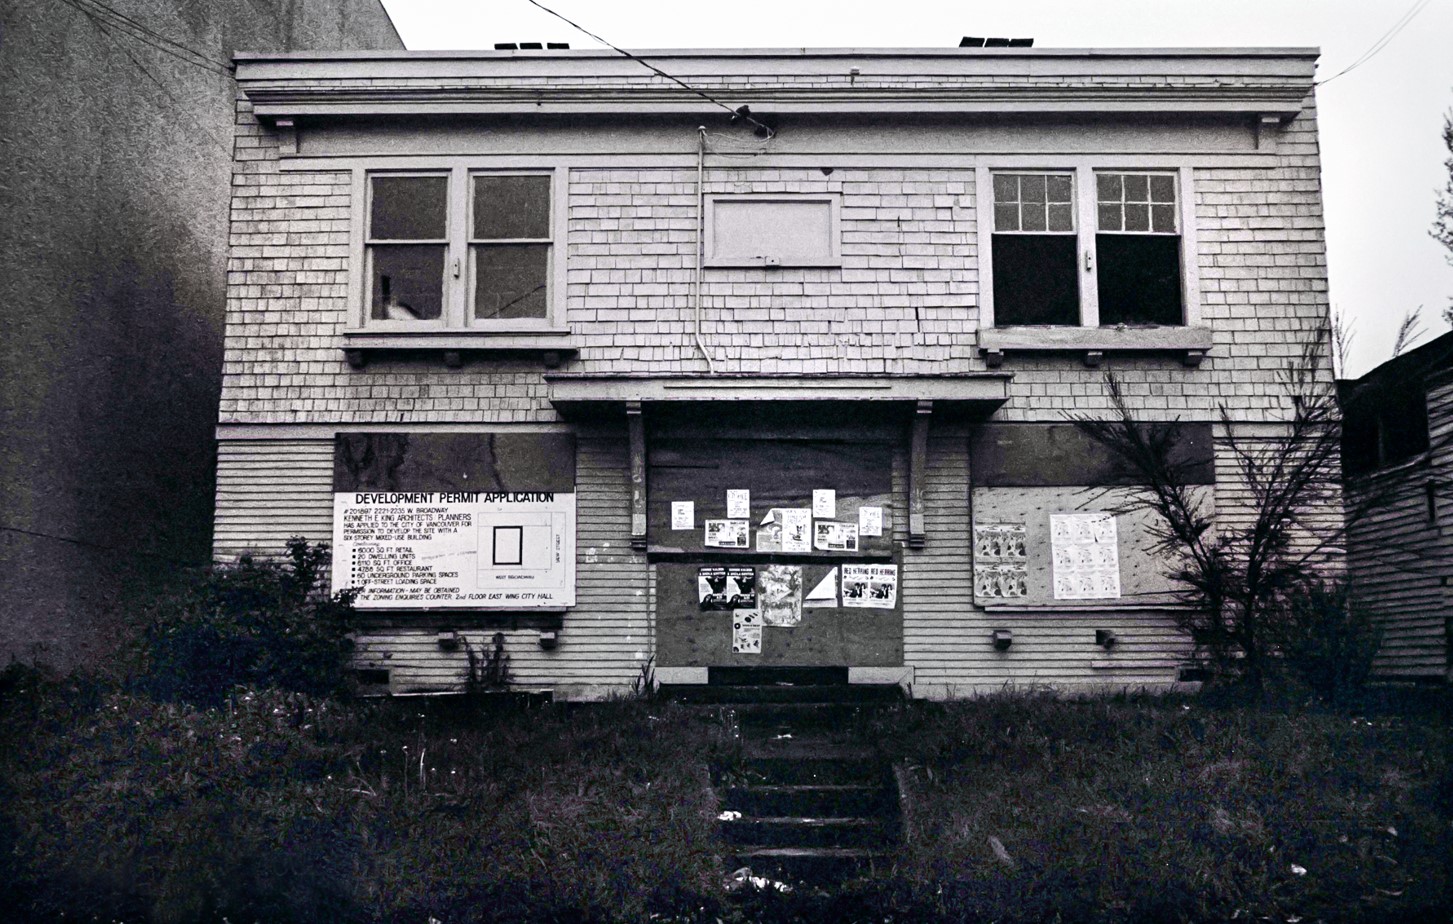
99, 13
736, 113
1377, 46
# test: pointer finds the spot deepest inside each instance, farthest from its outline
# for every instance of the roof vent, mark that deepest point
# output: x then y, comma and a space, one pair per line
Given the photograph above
506, 46
973, 41
531, 46
557, 45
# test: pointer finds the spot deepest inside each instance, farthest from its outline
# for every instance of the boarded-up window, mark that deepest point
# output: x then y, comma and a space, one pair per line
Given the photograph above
1035, 281
772, 231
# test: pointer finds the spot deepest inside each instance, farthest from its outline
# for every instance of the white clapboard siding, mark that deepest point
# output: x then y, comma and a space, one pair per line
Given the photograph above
947, 638
269, 491
1399, 556
1323, 524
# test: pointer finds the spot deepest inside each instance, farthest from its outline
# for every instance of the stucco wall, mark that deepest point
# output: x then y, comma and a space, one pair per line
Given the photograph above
112, 253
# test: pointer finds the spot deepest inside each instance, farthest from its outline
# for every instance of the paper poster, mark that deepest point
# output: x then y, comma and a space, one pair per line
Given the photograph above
683, 514
825, 593
739, 504
1001, 563
824, 503
785, 529
1086, 554
726, 588
780, 595
870, 521
472, 549
832, 536
746, 632
727, 534
870, 586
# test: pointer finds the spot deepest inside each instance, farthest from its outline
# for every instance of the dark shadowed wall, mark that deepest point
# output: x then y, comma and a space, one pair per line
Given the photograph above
115, 170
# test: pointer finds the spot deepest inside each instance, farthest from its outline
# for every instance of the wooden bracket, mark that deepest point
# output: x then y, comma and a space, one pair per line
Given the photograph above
636, 425
1268, 132
287, 136
917, 474
1192, 358
993, 358
1094, 358
355, 358
453, 359
551, 359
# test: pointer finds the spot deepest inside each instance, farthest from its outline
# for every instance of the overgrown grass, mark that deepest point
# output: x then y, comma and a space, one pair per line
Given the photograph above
279, 807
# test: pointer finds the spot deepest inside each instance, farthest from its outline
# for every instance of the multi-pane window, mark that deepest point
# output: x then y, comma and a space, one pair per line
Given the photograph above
1061, 258
1034, 249
1138, 247
417, 251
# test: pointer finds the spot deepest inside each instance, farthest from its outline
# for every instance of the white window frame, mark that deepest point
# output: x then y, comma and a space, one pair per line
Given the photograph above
835, 232
457, 316
1086, 227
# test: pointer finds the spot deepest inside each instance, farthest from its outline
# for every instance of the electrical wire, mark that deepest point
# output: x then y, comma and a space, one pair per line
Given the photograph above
656, 70
99, 13
1377, 46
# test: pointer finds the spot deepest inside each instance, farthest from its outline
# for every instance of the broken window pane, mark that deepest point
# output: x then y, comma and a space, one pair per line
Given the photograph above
408, 208
510, 281
1035, 281
1139, 279
408, 282
507, 207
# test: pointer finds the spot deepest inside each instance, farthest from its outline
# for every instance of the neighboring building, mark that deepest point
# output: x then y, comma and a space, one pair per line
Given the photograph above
1397, 455
472, 339
116, 139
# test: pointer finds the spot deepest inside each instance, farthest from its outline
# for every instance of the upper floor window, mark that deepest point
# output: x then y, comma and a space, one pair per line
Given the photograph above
458, 249
1086, 247
1383, 427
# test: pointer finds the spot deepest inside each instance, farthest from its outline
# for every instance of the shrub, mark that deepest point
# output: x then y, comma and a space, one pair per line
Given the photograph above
256, 623
1328, 642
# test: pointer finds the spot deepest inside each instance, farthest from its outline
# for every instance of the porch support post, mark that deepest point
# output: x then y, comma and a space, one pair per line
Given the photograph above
917, 470
636, 424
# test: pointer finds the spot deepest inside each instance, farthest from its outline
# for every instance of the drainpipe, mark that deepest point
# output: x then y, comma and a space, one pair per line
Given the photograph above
700, 246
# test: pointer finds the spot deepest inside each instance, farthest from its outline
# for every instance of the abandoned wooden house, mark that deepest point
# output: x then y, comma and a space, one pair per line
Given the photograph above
1398, 462
767, 364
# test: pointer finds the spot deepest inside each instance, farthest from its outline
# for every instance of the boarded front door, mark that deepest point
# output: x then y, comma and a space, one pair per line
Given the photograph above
717, 570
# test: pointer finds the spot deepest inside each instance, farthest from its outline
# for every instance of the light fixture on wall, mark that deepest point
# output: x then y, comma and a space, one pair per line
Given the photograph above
1105, 638
447, 641
549, 639
1003, 638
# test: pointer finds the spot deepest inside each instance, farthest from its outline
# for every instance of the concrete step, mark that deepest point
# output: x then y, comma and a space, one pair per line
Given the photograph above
843, 717
812, 799
784, 693
804, 831
770, 676
813, 864
806, 770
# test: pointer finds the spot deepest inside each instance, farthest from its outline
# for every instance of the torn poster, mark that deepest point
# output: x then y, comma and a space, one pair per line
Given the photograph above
726, 588
746, 632
832, 536
780, 595
824, 503
870, 521
727, 534
870, 586
739, 504
1086, 556
683, 514
785, 529
825, 593
1001, 564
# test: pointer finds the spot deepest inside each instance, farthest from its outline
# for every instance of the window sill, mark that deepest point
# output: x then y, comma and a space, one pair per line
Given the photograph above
551, 342
1192, 343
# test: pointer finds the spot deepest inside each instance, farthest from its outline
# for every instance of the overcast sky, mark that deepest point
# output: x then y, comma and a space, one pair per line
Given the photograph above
1382, 150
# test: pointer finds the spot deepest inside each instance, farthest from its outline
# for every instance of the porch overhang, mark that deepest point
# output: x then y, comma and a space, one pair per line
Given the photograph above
577, 395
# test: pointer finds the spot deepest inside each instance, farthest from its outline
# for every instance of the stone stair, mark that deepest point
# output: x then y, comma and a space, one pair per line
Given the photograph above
811, 799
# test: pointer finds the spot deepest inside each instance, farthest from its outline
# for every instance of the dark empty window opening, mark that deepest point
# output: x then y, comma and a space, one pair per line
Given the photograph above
1138, 247
510, 245
1034, 247
1383, 427
407, 240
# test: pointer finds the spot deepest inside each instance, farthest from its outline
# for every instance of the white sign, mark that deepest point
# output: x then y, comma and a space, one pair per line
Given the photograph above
870, 586
739, 504
832, 536
870, 521
1086, 553
683, 514
433, 549
727, 534
824, 503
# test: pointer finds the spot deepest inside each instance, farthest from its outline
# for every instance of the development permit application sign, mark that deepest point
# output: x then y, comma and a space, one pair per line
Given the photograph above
455, 549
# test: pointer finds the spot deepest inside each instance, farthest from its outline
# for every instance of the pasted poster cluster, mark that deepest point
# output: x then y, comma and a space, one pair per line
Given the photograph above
785, 529
429, 549
1001, 561
870, 586
1086, 556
